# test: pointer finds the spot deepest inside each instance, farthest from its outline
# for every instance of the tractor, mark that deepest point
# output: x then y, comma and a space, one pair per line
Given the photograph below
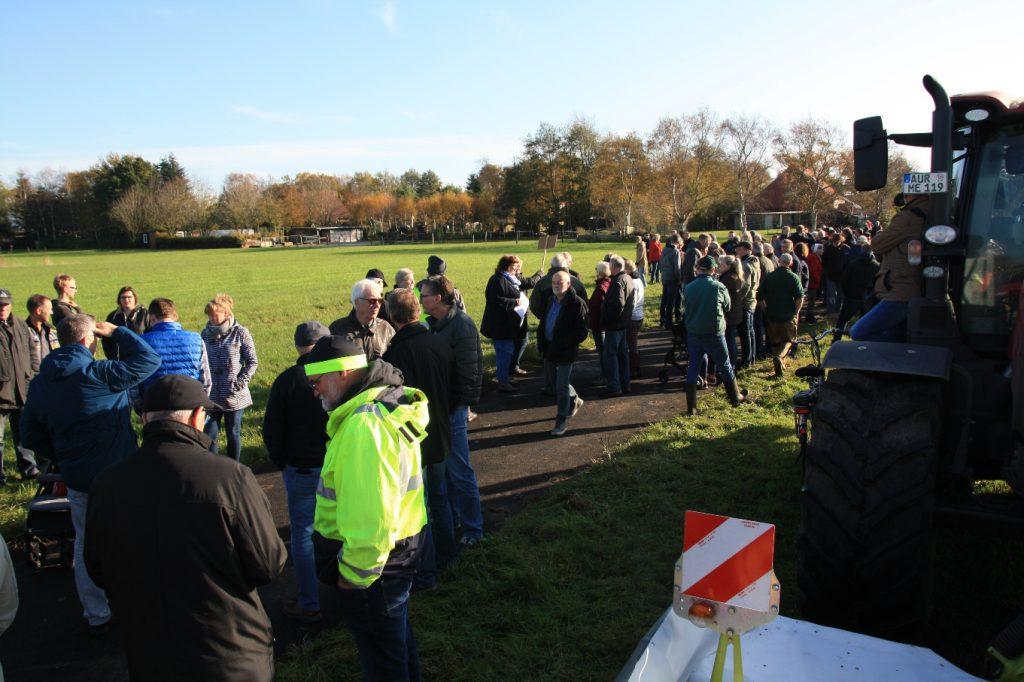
901, 432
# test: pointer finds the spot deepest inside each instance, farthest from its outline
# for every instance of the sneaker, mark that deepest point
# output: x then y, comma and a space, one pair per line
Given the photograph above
576, 406
30, 474
293, 611
610, 394
470, 415
507, 387
519, 371
559, 430
466, 542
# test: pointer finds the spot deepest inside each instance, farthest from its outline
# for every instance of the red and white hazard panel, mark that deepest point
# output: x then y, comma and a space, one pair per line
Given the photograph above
724, 577
728, 560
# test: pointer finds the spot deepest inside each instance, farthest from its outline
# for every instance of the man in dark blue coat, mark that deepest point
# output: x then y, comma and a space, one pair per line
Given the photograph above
78, 414
563, 328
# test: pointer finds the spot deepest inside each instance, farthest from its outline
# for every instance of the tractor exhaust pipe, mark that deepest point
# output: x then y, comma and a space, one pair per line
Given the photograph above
942, 152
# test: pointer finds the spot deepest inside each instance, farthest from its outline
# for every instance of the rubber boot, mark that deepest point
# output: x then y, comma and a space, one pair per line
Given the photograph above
691, 399
736, 395
777, 361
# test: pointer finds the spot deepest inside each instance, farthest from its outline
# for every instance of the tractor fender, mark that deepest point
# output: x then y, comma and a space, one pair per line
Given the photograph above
895, 358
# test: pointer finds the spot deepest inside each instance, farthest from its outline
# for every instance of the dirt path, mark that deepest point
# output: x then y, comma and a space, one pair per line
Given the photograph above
512, 451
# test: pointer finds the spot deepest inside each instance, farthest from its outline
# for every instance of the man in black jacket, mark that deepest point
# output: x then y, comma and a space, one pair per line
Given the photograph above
295, 433
833, 260
616, 312
15, 374
456, 328
428, 363
542, 292
563, 327
180, 539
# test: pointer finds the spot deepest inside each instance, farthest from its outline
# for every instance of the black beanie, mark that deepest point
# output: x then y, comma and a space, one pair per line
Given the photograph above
436, 266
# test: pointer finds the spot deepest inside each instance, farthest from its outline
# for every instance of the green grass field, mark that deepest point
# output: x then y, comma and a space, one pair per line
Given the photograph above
567, 587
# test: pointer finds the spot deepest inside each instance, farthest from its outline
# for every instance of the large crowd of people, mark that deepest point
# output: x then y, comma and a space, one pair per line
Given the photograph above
369, 426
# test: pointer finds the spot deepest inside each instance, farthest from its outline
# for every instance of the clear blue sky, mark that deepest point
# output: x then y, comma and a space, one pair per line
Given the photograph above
281, 87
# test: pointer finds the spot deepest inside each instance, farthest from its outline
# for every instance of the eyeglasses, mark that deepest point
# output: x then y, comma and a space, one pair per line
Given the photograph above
372, 301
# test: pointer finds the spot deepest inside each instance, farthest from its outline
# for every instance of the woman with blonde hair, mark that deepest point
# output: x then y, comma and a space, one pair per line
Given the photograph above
640, 261
730, 273
232, 356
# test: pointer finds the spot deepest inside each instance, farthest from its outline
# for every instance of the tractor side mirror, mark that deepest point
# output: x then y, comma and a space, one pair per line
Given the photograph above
870, 154
1015, 159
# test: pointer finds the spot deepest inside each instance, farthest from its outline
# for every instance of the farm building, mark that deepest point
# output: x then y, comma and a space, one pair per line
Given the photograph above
325, 235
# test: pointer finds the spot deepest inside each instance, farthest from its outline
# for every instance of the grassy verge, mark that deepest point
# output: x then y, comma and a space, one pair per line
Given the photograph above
568, 587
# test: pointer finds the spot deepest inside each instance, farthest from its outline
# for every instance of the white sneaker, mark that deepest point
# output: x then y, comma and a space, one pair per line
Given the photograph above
576, 406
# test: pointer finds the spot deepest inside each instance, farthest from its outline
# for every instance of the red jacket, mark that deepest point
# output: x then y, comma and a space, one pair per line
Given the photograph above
814, 270
596, 301
654, 250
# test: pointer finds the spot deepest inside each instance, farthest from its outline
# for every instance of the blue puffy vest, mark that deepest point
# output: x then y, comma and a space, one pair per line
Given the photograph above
180, 350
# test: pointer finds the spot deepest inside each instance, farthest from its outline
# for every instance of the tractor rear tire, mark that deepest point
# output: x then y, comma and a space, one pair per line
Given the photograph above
866, 548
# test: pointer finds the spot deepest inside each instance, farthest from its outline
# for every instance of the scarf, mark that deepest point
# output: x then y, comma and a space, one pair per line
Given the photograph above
218, 331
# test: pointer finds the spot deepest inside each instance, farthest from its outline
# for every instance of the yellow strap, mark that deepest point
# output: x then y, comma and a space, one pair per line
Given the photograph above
337, 365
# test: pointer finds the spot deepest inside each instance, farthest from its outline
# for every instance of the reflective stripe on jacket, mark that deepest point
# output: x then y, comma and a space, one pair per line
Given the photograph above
370, 495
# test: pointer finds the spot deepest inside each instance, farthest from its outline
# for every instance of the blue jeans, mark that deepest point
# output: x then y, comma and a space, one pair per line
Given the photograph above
95, 608
439, 541
760, 334
300, 486
559, 374
599, 347
656, 271
887, 321
503, 350
833, 296
748, 343
519, 348
378, 618
616, 360
730, 343
465, 495
233, 426
713, 345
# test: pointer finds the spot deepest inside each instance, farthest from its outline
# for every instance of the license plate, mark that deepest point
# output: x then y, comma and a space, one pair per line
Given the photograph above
925, 183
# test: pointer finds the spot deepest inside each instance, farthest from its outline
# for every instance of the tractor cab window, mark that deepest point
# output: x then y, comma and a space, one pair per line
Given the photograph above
995, 247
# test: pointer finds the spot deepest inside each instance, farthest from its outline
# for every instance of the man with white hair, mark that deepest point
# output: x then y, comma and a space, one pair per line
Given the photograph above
560, 262
616, 313
781, 296
363, 324
404, 279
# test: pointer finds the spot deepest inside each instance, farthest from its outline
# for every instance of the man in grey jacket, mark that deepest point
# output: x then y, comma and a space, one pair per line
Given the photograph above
671, 270
437, 296
694, 252
616, 313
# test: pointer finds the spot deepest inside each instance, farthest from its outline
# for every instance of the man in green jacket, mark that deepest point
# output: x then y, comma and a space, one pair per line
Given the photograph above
707, 302
781, 296
370, 513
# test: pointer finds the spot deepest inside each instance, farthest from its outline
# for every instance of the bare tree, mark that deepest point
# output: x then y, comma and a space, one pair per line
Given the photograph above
132, 210
812, 154
669, 153
241, 202
748, 150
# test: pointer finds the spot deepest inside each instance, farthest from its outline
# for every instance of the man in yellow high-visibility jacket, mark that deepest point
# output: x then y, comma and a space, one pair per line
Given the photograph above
370, 513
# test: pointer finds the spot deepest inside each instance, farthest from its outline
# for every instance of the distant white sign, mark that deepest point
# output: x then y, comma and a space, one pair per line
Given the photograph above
925, 183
